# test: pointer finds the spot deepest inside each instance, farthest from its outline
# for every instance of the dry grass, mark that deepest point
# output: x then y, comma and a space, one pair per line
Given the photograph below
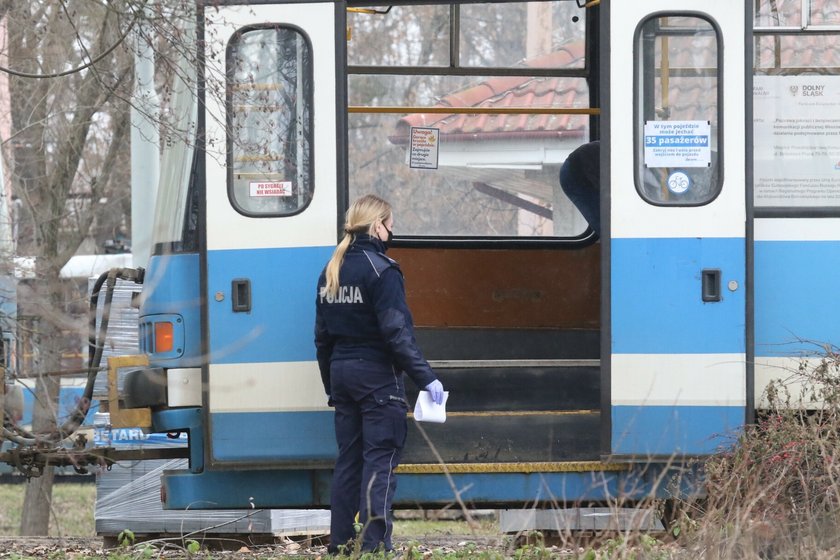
776, 493
72, 509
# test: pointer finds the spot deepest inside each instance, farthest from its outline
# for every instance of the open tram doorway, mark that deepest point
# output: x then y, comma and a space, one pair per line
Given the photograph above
503, 274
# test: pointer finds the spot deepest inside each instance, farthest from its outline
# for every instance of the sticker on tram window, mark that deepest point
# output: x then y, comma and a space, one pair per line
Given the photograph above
678, 143
679, 182
424, 148
261, 189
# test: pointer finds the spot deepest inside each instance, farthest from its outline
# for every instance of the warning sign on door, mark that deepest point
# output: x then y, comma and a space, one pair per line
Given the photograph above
424, 148
261, 189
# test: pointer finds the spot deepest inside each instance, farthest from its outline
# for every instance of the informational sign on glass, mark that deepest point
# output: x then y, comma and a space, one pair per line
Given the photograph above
797, 140
425, 148
677, 143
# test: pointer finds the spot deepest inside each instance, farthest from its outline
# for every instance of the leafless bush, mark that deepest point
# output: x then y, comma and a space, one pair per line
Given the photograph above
776, 492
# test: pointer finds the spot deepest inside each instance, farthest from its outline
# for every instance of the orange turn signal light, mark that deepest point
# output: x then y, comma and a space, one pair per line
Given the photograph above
164, 337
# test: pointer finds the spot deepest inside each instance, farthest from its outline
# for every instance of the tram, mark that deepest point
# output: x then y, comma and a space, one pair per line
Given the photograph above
582, 364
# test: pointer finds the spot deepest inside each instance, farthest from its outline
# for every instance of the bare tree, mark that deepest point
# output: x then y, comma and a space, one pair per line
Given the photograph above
70, 65
60, 124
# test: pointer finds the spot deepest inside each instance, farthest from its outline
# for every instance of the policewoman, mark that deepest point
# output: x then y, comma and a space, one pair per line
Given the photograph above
364, 336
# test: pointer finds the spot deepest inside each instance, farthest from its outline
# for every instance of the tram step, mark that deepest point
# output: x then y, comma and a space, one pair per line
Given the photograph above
513, 436
508, 344
523, 385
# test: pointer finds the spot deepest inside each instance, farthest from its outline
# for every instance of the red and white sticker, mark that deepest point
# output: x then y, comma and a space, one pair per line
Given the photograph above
261, 189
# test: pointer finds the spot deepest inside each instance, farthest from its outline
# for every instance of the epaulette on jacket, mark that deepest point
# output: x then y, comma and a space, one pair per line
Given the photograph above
380, 262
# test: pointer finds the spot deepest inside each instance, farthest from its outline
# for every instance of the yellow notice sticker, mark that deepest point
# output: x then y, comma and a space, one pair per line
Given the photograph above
424, 148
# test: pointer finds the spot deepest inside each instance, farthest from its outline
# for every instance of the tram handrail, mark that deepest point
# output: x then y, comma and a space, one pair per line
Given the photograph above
476, 110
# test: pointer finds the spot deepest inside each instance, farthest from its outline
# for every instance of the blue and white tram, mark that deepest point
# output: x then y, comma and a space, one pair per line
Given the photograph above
580, 363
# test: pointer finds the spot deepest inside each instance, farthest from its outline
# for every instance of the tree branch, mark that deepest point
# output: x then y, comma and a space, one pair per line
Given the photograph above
99, 183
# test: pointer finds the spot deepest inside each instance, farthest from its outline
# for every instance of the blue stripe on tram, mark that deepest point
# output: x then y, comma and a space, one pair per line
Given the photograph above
796, 303
280, 324
666, 430
273, 436
657, 306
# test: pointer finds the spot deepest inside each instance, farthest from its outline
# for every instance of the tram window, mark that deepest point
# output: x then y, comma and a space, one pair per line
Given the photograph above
491, 34
495, 173
778, 14
678, 110
797, 54
497, 176
405, 35
269, 111
789, 13
826, 13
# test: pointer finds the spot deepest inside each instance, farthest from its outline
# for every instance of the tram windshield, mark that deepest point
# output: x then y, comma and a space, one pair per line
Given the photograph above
176, 217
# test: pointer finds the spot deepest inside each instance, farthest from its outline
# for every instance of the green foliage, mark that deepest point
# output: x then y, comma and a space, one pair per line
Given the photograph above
633, 546
648, 543
126, 538
411, 551
192, 546
588, 555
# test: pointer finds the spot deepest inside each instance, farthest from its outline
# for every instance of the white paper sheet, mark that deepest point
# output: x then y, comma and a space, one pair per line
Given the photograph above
425, 409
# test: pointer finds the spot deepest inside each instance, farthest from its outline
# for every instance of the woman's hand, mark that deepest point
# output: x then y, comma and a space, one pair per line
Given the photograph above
435, 389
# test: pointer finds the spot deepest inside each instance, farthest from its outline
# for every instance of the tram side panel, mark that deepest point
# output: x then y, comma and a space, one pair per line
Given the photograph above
796, 279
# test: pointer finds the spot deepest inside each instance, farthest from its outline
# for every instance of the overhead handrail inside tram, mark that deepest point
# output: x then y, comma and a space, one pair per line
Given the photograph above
370, 11
476, 110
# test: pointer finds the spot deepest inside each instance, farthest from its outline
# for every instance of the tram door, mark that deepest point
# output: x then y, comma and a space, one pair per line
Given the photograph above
677, 295
271, 226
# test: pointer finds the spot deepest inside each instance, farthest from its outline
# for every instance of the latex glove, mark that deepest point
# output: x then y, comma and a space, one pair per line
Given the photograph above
435, 389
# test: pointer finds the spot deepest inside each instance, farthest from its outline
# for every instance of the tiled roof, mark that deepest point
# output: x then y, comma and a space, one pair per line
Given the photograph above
509, 91
798, 51
689, 98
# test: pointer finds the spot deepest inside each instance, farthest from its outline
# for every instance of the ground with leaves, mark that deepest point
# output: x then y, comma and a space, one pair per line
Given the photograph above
453, 547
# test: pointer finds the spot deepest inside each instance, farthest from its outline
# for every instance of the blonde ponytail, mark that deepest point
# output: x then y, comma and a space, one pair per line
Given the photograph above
361, 217
335, 264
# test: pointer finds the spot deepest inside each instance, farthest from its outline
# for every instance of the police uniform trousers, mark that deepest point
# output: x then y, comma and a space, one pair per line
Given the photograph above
370, 429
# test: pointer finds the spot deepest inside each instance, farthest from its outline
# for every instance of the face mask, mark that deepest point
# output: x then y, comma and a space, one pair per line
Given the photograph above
387, 242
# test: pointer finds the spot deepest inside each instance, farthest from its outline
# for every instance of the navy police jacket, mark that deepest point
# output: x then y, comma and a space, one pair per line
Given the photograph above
368, 318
